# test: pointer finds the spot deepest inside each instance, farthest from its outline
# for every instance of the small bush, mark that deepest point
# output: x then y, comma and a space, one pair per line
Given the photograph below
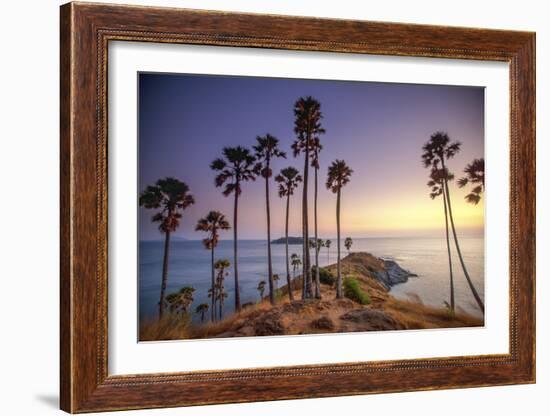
353, 291
325, 277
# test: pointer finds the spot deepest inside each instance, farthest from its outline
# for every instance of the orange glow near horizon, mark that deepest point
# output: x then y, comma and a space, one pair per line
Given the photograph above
364, 215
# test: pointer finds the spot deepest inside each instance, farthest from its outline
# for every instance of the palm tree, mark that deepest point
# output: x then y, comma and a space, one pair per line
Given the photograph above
348, 242
475, 174
202, 309
236, 167
288, 179
437, 151
179, 302
170, 196
267, 149
320, 244
437, 186
212, 223
338, 176
316, 147
307, 126
327, 245
276, 281
296, 263
261, 289
221, 266
222, 295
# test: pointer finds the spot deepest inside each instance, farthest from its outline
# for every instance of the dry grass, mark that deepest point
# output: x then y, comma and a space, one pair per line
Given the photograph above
414, 315
168, 328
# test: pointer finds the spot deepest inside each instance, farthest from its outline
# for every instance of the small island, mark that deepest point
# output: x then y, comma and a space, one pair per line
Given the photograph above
291, 240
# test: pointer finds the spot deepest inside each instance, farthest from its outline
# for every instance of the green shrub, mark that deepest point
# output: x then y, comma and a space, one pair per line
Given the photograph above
325, 277
353, 291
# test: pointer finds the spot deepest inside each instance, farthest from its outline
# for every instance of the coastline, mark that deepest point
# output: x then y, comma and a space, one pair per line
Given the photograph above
373, 276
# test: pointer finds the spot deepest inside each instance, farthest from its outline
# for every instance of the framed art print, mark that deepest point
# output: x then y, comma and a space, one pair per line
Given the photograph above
262, 207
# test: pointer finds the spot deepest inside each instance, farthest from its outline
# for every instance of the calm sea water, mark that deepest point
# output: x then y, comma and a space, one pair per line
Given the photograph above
427, 257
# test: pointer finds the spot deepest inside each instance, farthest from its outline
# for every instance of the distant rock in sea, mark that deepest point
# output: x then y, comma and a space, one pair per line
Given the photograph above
291, 240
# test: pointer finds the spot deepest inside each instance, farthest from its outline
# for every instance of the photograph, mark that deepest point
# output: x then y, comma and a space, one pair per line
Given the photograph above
276, 206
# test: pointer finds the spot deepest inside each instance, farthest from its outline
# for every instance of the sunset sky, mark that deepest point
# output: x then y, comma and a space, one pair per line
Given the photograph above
377, 128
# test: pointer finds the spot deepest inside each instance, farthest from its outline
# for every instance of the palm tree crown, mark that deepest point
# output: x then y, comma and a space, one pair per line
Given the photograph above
339, 174
437, 180
181, 300
475, 174
348, 242
266, 149
307, 124
212, 223
288, 179
170, 196
438, 149
237, 167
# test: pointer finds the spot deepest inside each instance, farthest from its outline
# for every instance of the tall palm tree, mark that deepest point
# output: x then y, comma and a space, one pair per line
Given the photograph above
212, 224
236, 167
348, 242
437, 185
327, 245
180, 301
267, 148
202, 309
307, 126
288, 179
261, 289
437, 151
316, 147
339, 174
296, 263
475, 174
221, 267
171, 197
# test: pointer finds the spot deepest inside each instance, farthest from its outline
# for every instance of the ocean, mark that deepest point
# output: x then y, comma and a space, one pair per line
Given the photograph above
189, 265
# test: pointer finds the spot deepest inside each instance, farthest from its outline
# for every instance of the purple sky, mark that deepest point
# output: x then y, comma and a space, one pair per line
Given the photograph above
377, 128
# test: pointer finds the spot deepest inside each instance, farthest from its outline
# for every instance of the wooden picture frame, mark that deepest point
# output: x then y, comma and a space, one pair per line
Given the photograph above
86, 30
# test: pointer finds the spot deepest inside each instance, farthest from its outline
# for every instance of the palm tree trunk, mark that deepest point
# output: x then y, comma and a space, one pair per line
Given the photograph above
213, 308
235, 265
221, 304
306, 261
269, 265
470, 284
339, 271
164, 273
317, 278
452, 288
304, 289
288, 283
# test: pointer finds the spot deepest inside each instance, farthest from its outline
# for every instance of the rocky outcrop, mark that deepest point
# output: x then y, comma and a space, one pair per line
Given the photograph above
372, 320
392, 274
